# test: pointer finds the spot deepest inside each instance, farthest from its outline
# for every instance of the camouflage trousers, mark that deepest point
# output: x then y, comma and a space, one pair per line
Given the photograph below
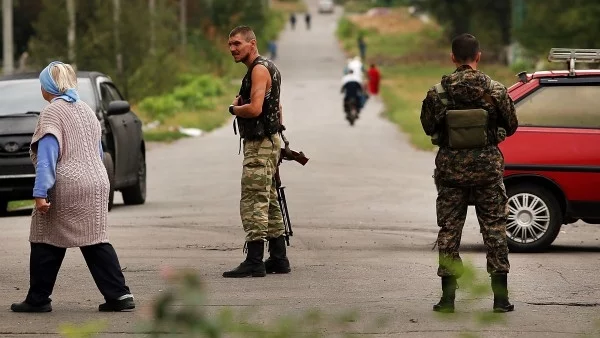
259, 208
491, 206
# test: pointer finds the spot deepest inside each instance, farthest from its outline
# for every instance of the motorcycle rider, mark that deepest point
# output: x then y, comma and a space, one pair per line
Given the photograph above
353, 90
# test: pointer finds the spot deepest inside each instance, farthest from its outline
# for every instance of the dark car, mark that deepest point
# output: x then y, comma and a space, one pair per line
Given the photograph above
552, 162
122, 139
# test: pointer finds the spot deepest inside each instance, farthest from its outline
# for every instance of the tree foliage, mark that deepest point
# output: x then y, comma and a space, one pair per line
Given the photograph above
144, 73
488, 20
541, 25
556, 23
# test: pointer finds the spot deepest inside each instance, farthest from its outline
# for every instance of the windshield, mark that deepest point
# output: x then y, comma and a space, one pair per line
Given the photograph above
21, 96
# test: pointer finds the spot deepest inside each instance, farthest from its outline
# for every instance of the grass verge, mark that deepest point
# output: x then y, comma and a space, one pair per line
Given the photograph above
14, 205
412, 56
205, 119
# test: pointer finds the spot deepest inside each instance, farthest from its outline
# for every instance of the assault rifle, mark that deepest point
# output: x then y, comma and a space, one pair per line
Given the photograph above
288, 155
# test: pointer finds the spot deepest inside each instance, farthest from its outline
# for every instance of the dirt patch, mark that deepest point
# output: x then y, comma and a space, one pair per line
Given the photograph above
289, 6
394, 21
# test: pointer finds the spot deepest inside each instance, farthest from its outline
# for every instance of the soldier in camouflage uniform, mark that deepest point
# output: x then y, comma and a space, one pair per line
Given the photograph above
258, 113
470, 176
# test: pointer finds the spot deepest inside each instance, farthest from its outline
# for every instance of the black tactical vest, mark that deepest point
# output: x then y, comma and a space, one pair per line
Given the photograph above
267, 123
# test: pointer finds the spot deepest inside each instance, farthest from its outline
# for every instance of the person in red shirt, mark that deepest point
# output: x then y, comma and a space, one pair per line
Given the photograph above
374, 78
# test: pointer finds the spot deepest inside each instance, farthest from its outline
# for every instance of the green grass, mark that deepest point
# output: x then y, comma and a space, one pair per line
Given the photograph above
14, 205
411, 60
206, 120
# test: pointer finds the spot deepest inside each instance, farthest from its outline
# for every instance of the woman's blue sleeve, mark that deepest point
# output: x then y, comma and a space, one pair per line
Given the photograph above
45, 171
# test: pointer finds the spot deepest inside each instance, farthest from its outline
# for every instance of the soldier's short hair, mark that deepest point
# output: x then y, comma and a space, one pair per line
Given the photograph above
246, 32
465, 47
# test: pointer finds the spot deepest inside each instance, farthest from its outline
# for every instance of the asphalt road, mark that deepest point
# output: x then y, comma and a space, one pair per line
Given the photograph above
364, 224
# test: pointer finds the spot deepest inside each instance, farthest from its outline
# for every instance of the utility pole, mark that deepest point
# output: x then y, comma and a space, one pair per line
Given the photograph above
183, 21
152, 8
7, 37
518, 16
118, 54
72, 54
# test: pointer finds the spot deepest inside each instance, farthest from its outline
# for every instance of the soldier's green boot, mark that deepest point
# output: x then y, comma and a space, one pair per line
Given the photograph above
500, 288
446, 303
277, 261
253, 266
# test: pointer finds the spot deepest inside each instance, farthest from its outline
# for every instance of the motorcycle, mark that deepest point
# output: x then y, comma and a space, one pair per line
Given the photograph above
352, 110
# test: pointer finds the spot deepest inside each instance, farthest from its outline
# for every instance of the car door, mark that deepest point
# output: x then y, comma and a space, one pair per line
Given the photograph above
125, 129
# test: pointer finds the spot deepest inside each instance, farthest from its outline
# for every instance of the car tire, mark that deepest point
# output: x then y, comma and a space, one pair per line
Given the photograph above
110, 170
136, 194
534, 220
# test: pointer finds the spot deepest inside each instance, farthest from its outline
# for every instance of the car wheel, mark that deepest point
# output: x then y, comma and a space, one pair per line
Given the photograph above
3, 208
534, 218
136, 194
110, 170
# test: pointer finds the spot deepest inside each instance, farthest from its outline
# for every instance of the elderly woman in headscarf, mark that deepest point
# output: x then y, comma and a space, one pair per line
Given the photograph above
71, 196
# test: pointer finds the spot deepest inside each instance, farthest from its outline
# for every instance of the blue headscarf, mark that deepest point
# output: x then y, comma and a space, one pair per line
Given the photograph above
50, 86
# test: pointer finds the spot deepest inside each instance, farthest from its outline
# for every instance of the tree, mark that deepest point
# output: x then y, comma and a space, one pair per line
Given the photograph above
71, 31
152, 9
488, 20
556, 23
182, 21
7, 37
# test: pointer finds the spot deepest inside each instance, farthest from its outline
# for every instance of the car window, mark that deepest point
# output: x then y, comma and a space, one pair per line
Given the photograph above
21, 96
106, 95
561, 106
109, 93
114, 92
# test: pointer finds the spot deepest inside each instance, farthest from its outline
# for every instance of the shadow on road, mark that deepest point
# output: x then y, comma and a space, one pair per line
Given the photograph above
554, 249
19, 212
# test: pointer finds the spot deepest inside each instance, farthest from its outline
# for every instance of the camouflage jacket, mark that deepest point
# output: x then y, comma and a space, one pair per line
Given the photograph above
465, 88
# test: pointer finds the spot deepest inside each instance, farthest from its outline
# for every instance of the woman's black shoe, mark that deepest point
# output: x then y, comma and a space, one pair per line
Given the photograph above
25, 307
117, 305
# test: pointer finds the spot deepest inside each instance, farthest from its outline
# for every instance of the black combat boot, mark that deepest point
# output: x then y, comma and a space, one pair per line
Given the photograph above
446, 303
253, 266
500, 288
277, 261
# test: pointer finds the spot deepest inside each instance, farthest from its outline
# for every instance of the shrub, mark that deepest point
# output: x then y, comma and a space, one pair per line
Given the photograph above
193, 94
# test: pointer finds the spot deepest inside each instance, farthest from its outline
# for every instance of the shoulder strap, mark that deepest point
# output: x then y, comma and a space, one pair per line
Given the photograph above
439, 89
487, 97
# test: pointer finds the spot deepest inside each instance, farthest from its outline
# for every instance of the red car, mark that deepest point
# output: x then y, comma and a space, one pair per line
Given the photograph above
552, 162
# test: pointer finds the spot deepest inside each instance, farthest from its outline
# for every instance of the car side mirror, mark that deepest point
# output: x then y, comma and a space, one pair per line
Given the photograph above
118, 107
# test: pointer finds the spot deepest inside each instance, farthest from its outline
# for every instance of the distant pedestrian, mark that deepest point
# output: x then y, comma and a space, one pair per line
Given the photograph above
293, 21
71, 196
307, 20
273, 50
374, 77
362, 47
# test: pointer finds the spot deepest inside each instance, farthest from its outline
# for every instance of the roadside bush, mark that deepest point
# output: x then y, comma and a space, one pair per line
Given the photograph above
199, 92
346, 28
195, 93
161, 107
